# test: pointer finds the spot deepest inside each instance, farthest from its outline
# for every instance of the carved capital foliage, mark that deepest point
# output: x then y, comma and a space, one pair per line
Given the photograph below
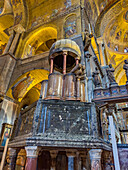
32, 151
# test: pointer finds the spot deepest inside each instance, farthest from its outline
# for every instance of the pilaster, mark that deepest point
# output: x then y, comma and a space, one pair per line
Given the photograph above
71, 155
11, 159
53, 154
95, 157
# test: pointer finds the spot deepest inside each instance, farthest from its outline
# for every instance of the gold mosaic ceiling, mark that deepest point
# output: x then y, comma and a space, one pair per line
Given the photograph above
6, 20
112, 25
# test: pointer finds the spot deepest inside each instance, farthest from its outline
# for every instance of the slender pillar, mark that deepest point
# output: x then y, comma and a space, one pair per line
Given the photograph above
108, 160
83, 156
64, 61
101, 51
95, 156
9, 41
18, 31
14, 43
51, 67
114, 145
89, 76
53, 159
71, 164
32, 154
78, 161
78, 88
77, 61
8, 59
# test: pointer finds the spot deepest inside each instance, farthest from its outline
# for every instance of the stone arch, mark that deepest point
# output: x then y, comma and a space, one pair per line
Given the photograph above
39, 41
28, 82
70, 25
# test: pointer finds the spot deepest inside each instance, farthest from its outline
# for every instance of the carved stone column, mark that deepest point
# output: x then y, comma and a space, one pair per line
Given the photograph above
89, 76
108, 161
71, 156
11, 159
11, 32
32, 154
51, 65
95, 156
21, 160
18, 29
101, 51
83, 156
78, 161
53, 159
7, 64
78, 88
64, 61
8, 60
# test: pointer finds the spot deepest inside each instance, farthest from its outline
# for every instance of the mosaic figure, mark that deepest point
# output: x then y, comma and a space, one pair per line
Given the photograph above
70, 26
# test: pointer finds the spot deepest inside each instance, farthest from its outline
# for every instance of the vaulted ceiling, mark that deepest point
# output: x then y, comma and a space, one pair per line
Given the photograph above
109, 19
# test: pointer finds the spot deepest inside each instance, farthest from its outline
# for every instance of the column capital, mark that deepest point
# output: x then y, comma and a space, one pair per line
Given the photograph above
53, 153
17, 28
100, 40
70, 154
95, 153
11, 31
65, 52
32, 151
83, 154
